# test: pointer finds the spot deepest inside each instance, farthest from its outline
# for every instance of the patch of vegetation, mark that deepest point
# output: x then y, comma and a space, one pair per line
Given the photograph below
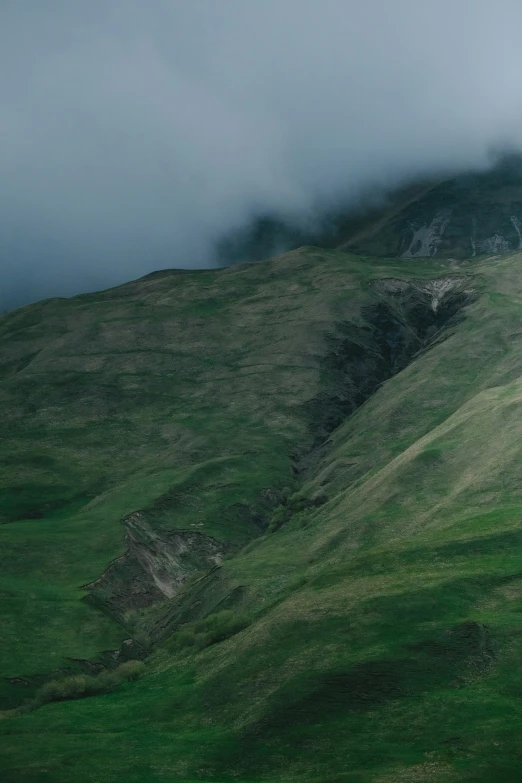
213, 629
80, 686
295, 507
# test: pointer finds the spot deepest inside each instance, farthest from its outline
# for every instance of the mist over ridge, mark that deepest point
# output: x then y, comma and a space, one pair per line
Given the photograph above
133, 136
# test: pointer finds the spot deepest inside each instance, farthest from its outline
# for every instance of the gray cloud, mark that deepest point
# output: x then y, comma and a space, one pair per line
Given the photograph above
132, 134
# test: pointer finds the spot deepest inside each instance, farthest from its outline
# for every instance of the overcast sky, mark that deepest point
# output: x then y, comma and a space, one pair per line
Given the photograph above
134, 132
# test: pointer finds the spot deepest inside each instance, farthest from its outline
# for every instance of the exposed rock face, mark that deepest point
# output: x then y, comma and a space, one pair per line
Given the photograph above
427, 238
437, 290
518, 228
494, 244
470, 215
461, 217
154, 567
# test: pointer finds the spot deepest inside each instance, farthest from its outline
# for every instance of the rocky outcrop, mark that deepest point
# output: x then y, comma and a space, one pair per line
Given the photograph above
154, 566
427, 238
438, 291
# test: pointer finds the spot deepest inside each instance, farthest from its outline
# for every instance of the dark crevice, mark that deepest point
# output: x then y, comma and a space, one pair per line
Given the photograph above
409, 318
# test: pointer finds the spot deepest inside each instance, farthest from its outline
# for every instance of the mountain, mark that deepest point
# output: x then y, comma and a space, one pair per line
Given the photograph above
465, 216
262, 524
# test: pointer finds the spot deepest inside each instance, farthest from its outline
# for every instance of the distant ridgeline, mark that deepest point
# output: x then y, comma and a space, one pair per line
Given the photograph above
470, 215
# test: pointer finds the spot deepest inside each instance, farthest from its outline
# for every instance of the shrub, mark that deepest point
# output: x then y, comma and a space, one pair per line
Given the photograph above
293, 507
277, 519
220, 626
80, 685
186, 637
103, 683
213, 629
130, 670
59, 690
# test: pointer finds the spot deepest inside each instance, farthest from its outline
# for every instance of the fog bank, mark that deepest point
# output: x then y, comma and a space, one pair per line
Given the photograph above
133, 135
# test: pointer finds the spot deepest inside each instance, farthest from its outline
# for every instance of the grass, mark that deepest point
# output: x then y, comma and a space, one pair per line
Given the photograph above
379, 640
131, 400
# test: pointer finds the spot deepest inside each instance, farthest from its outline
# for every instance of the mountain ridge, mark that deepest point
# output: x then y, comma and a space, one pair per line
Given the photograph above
463, 215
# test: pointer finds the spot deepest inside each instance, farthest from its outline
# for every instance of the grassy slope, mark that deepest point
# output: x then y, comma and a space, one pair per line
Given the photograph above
188, 382
386, 633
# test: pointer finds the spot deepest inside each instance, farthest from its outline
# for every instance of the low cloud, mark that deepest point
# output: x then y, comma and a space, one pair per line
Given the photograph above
133, 135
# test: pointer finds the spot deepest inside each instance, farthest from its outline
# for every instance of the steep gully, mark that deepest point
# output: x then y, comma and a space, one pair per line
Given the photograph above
406, 317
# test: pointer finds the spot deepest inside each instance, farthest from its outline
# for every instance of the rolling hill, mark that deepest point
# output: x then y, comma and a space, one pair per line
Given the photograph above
293, 490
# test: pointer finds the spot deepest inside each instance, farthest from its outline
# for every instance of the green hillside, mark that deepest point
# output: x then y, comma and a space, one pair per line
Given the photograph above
294, 490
